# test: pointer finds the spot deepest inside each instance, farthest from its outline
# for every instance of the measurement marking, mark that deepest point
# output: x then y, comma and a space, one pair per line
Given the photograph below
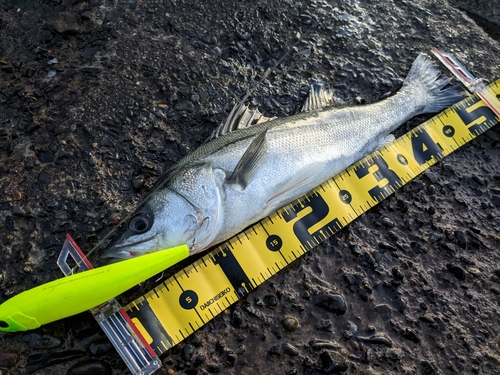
199, 316
178, 283
263, 227
217, 307
327, 191
254, 283
282, 255
191, 326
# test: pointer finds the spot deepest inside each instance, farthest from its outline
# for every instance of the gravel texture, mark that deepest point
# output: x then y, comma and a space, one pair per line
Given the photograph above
98, 98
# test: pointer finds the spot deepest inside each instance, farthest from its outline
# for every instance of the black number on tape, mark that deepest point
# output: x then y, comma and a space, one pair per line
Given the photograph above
234, 273
424, 147
319, 211
477, 116
383, 172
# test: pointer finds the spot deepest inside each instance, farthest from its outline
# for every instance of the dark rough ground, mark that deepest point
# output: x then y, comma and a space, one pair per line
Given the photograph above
138, 84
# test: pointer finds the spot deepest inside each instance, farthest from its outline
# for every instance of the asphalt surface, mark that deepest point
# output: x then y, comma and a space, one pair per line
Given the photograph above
98, 98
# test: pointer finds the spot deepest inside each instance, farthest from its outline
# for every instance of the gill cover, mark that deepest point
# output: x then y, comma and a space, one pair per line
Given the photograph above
187, 211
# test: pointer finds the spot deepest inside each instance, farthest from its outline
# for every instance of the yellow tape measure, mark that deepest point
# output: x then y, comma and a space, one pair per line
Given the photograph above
193, 296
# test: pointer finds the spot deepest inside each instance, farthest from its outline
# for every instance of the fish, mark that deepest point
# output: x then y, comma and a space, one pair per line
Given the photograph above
252, 165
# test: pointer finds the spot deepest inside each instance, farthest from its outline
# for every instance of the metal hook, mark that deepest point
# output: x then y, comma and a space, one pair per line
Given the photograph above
195, 237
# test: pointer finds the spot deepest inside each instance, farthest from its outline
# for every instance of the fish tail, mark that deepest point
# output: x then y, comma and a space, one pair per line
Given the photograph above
433, 88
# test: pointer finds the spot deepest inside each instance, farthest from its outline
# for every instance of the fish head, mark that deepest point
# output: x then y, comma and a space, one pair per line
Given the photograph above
167, 220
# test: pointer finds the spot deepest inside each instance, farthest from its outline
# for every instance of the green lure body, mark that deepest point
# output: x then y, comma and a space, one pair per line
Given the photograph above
79, 292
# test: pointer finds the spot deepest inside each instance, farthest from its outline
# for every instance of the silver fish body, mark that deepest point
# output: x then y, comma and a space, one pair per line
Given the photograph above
240, 177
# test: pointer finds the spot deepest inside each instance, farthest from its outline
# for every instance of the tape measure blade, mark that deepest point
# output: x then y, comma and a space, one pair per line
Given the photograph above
198, 293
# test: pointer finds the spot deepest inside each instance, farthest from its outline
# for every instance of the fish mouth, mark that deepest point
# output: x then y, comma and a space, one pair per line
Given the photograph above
132, 249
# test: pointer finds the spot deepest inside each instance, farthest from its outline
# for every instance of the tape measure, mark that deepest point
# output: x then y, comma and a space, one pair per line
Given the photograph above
193, 296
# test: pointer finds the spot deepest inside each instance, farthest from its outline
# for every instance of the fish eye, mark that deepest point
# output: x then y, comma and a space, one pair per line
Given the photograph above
140, 223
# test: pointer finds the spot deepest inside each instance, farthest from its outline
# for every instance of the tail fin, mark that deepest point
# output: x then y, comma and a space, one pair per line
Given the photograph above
425, 76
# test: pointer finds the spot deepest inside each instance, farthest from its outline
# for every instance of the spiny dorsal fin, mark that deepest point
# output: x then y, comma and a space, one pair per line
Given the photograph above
249, 162
240, 117
319, 97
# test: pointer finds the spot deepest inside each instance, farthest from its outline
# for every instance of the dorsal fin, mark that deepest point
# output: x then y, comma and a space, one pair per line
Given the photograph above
240, 117
319, 97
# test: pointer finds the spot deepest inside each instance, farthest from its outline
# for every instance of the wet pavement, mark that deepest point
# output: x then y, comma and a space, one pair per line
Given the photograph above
98, 98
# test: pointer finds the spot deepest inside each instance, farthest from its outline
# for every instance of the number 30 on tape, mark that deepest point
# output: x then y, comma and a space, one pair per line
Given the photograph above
190, 298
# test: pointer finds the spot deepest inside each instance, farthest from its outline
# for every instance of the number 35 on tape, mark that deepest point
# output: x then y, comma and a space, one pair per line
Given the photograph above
193, 296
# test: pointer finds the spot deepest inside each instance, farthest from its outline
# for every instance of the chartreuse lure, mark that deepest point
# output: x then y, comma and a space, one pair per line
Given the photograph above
79, 292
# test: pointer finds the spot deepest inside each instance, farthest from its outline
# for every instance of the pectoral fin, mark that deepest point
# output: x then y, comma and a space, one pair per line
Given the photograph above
301, 179
249, 162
